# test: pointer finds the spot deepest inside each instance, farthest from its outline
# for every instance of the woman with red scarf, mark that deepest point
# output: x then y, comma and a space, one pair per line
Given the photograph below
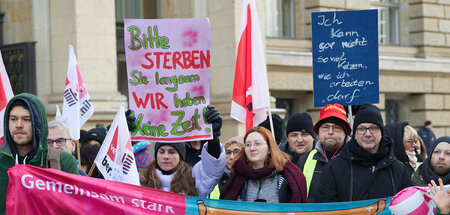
263, 173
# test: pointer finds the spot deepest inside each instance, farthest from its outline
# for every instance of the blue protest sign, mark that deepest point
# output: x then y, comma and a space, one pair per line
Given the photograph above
345, 57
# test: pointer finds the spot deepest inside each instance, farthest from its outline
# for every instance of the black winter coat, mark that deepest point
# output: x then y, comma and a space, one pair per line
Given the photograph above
351, 176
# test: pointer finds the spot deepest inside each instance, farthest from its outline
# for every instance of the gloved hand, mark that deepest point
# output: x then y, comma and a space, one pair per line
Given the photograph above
212, 116
130, 120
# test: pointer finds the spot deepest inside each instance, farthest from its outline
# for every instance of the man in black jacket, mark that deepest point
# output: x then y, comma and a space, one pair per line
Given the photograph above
367, 168
332, 130
427, 134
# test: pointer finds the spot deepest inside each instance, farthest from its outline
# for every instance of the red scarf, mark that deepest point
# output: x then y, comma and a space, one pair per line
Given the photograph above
243, 172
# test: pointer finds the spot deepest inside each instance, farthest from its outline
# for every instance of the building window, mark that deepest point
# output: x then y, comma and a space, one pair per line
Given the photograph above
128, 9
125, 9
388, 21
280, 18
391, 111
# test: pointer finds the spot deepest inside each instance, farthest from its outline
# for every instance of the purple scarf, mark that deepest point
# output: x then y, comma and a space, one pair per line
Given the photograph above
243, 171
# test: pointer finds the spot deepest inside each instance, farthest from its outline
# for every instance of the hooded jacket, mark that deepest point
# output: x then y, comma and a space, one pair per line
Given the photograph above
38, 154
424, 174
356, 174
396, 131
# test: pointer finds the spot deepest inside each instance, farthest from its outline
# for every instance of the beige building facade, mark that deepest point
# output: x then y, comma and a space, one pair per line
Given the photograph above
414, 51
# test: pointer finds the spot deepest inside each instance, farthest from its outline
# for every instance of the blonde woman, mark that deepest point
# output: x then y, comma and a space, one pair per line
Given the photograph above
404, 143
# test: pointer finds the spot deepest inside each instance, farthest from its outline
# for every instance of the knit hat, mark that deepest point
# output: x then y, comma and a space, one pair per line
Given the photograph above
300, 122
180, 147
97, 134
369, 113
436, 142
333, 113
277, 126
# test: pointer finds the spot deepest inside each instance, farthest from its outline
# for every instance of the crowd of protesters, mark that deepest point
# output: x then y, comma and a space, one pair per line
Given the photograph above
329, 161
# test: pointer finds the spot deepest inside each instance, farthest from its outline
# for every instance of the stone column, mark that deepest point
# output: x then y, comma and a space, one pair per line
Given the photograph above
89, 26
430, 27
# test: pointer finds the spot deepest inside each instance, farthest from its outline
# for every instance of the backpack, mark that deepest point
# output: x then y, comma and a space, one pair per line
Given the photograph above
53, 158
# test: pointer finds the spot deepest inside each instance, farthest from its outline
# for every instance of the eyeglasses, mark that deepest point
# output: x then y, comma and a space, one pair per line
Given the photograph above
372, 129
412, 141
228, 153
335, 128
59, 141
256, 144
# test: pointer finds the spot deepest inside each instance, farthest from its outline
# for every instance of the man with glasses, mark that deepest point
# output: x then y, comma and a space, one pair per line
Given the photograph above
332, 130
60, 137
367, 167
25, 136
233, 146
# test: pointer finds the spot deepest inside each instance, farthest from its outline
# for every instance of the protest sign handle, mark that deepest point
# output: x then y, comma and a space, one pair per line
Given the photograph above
350, 116
91, 170
78, 154
271, 124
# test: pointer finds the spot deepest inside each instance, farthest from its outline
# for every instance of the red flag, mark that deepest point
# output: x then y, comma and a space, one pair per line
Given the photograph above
250, 91
6, 94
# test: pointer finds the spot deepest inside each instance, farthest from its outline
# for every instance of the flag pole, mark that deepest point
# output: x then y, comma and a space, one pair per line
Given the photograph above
92, 169
271, 124
78, 154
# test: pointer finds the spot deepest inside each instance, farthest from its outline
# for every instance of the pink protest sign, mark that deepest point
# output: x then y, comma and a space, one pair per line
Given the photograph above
168, 66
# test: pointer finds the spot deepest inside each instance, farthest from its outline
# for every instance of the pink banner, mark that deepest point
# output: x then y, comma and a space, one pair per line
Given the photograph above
168, 67
33, 190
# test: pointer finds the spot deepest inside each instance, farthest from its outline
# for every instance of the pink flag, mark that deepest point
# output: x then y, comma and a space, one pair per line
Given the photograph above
77, 107
412, 200
250, 91
115, 160
6, 94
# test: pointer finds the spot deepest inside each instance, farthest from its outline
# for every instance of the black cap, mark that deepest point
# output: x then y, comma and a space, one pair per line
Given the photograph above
428, 122
369, 113
277, 126
300, 122
180, 147
97, 134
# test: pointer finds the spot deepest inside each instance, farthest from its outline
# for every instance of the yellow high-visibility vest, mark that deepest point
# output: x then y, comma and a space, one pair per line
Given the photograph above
308, 169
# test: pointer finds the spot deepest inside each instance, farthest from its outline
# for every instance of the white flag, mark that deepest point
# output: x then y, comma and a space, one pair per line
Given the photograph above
77, 107
58, 115
115, 159
6, 93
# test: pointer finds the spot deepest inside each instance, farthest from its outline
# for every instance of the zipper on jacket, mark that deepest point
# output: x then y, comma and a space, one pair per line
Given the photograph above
259, 190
